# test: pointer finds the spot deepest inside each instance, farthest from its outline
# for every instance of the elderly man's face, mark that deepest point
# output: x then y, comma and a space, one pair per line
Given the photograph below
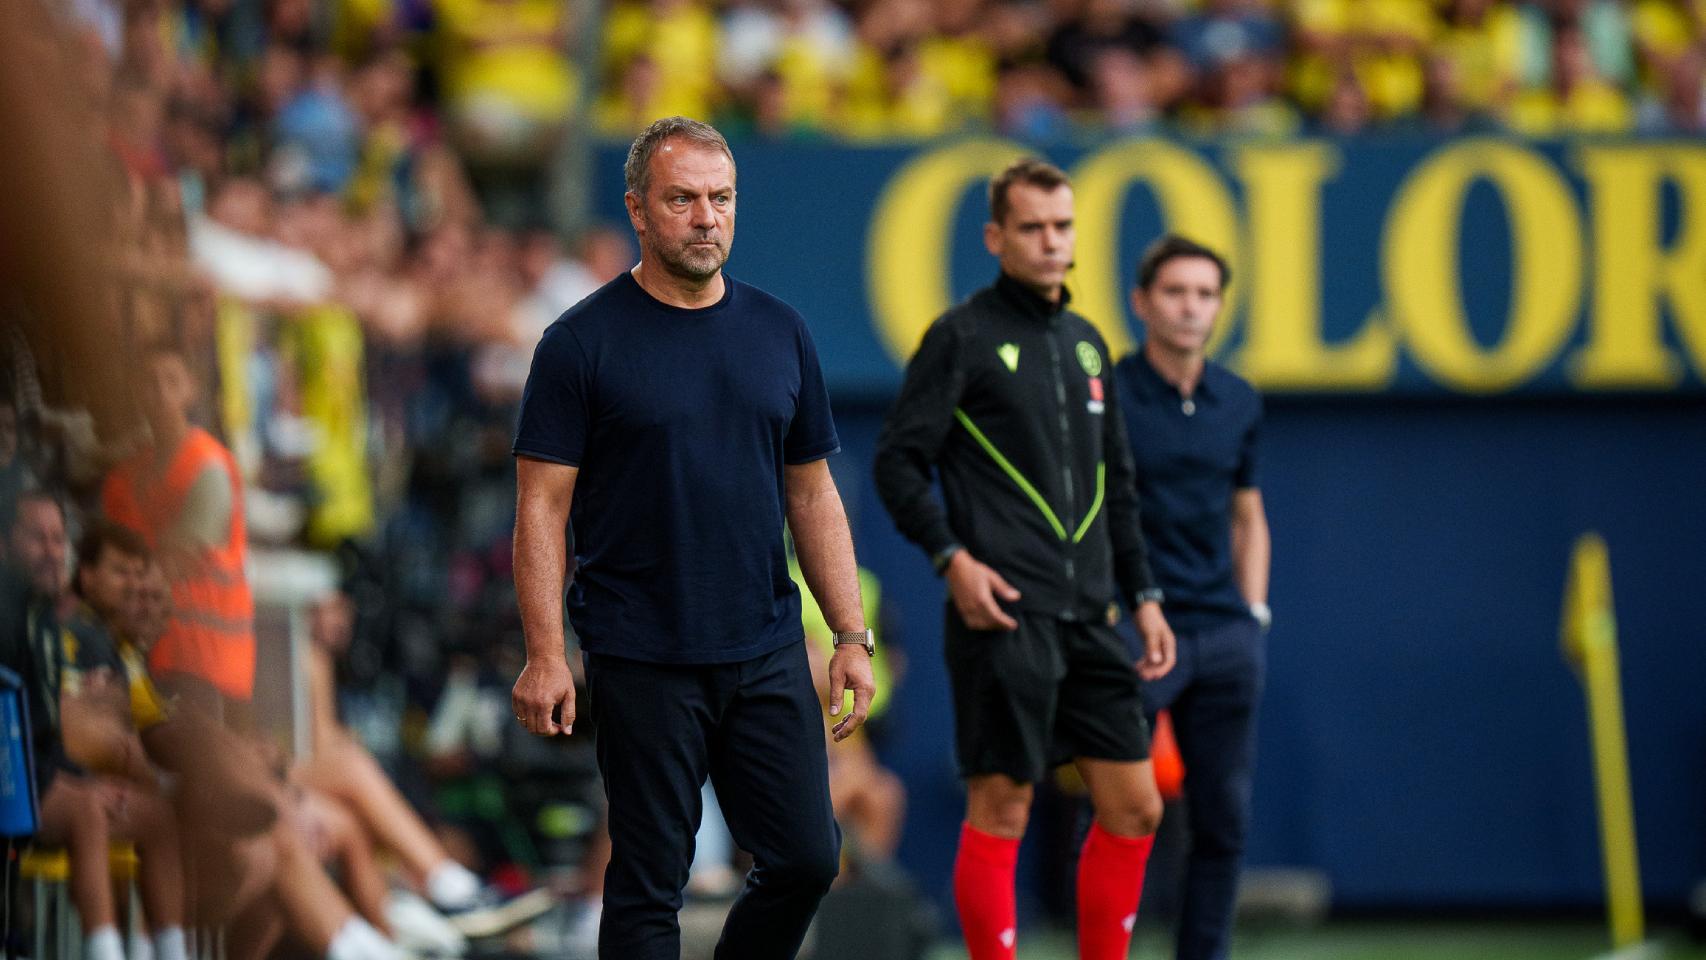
686, 220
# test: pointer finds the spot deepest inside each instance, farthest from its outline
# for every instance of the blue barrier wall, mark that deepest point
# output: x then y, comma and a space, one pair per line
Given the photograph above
1422, 741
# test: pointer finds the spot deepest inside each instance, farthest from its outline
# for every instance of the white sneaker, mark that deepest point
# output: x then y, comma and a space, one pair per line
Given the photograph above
422, 929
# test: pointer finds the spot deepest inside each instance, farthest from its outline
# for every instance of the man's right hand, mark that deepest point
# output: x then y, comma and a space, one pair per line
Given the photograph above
975, 589
544, 686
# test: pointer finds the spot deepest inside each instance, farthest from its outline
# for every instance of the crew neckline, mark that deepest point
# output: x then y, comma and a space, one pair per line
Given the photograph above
727, 298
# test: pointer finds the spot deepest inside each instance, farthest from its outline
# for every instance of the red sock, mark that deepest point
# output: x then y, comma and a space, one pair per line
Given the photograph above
983, 891
1110, 881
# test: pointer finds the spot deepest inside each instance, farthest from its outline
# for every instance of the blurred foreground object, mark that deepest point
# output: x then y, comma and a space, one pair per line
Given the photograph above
1590, 645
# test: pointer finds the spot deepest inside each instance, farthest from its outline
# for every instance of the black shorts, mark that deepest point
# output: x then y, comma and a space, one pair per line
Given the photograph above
1028, 700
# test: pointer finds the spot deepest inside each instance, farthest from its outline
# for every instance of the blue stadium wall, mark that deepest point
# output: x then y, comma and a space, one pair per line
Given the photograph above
1473, 351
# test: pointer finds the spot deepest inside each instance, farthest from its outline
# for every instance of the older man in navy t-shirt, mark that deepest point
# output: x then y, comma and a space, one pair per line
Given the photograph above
684, 416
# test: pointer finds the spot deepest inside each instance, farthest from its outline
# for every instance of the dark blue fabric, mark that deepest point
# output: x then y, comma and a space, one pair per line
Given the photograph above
1188, 466
1212, 694
681, 422
756, 730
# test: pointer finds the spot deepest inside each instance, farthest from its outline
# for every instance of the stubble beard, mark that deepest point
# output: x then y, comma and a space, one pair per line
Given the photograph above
693, 262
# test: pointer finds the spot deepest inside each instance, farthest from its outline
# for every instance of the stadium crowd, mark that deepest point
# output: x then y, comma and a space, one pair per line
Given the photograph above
1042, 71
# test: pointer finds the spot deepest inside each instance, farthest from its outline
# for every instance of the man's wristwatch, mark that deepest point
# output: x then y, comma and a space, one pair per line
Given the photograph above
941, 558
863, 638
1264, 616
1152, 595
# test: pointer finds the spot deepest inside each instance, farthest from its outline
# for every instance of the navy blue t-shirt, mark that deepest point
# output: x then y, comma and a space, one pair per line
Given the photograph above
1191, 458
681, 422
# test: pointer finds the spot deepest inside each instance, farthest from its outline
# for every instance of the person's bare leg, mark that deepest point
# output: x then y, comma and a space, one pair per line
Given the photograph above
73, 815
229, 878
1115, 854
877, 808
256, 931
352, 848
317, 913
313, 907
146, 820
347, 771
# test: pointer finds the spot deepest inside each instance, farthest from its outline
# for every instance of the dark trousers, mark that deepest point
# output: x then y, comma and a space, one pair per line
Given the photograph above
1212, 694
756, 729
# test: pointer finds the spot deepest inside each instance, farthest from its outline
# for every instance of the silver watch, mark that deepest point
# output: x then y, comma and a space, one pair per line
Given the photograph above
863, 638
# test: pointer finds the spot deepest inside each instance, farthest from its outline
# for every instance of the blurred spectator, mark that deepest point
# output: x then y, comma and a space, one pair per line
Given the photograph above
1122, 88
1234, 48
960, 57
766, 113
182, 493
340, 767
1576, 100
551, 283
660, 58
234, 244
788, 59
1347, 111
1238, 97
317, 135
80, 810
509, 93
1663, 31
1476, 61
1030, 103
1381, 40
891, 96
1601, 28
1226, 31
1444, 105
1681, 106
1095, 28
922, 70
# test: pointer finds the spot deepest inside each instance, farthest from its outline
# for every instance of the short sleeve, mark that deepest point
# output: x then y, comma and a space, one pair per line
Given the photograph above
1246, 477
555, 418
811, 434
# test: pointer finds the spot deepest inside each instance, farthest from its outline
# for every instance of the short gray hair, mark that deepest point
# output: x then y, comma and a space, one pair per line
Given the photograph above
637, 171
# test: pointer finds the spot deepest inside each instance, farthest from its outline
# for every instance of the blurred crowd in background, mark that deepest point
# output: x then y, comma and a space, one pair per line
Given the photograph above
359, 85
1043, 70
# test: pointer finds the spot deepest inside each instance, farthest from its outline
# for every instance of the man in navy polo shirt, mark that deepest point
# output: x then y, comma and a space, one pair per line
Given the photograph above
683, 415
1193, 427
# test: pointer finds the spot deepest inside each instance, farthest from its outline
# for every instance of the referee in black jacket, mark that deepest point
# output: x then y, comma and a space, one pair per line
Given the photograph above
1008, 402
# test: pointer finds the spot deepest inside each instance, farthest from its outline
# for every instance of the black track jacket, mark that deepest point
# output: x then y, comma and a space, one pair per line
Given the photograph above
1009, 400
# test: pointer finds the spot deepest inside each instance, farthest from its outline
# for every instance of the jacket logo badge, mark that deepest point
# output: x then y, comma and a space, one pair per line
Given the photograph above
1089, 358
1009, 353
1095, 404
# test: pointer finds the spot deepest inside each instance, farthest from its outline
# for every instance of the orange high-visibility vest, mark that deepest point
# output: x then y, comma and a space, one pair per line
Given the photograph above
211, 634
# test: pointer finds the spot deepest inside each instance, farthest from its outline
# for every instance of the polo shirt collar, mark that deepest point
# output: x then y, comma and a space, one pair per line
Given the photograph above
1159, 382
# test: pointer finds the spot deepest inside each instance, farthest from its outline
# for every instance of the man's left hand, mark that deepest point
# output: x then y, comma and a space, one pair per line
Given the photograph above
1160, 649
850, 669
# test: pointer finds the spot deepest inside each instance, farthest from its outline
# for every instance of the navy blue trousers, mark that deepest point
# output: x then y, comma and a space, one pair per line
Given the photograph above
756, 730
1212, 695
